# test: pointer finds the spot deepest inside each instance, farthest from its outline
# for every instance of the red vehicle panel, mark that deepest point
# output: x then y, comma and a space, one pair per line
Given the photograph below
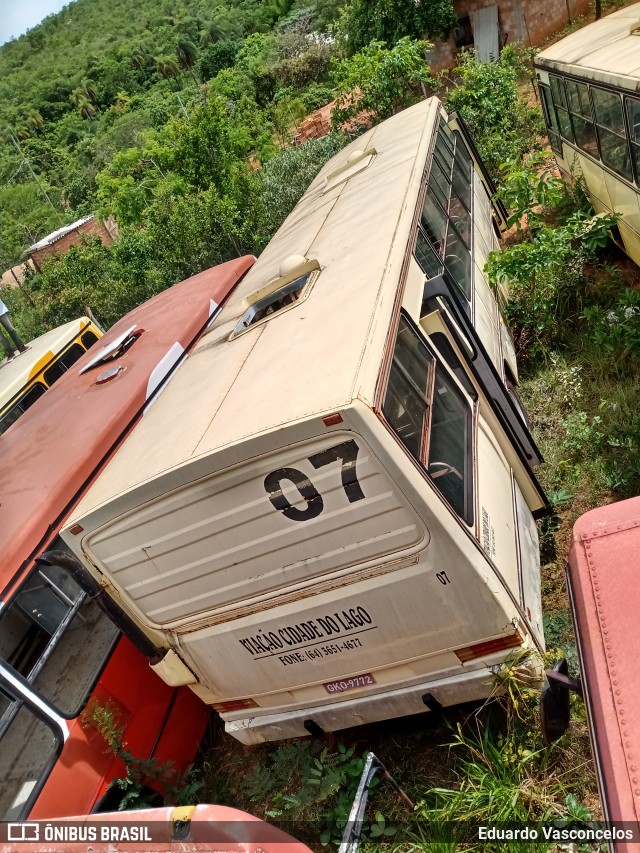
56, 447
605, 594
160, 722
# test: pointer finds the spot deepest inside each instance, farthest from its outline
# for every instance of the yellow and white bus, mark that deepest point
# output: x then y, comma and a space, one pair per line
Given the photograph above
590, 93
25, 379
327, 518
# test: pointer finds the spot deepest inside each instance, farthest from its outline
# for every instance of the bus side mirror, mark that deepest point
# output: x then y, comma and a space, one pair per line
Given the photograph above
554, 701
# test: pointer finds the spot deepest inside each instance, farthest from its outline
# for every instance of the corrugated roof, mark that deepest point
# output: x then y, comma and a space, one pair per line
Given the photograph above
607, 50
56, 235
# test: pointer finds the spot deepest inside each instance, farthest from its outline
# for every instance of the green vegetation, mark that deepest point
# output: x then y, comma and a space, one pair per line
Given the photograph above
380, 81
388, 21
486, 94
134, 788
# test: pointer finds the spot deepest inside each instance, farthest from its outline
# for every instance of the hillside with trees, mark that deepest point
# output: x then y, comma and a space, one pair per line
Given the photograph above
177, 118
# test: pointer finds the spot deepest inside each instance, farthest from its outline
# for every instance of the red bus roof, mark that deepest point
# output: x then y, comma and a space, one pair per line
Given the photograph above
50, 453
605, 593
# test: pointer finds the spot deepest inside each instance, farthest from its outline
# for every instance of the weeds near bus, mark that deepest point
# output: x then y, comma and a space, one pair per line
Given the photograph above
545, 269
503, 125
503, 772
141, 773
300, 781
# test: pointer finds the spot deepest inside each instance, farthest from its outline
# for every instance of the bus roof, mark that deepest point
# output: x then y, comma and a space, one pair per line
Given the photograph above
56, 446
16, 374
356, 220
606, 51
605, 595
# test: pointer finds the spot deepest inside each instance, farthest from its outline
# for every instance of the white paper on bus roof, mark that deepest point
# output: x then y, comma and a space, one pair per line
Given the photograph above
294, 365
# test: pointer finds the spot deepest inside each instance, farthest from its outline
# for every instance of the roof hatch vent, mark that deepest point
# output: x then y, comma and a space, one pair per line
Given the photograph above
355, 163
292, 286
114, 349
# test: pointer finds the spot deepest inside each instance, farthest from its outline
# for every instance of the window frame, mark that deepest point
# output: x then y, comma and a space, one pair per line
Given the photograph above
634, 147
5, 730
18, 403
449, 159
622, 134
437, 363
549, 114
49, 648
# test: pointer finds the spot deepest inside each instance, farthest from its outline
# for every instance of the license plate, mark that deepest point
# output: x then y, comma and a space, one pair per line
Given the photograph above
341, 685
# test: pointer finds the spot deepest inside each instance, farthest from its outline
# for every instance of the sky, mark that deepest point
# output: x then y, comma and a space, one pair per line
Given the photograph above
18, 16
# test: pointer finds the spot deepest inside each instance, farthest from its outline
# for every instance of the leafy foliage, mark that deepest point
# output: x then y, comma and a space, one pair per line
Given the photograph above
544, 274
135, 785
389, 21
486, 95
303, 782
379, 80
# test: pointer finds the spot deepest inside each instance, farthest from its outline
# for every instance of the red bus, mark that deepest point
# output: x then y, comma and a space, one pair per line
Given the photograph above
61, 647
605, 600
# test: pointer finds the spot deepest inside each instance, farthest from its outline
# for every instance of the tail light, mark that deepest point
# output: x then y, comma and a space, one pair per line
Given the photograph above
234, 705
480, 650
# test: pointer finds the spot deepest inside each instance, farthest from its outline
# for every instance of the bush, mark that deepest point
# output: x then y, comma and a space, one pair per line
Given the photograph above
215, 57
316, 95
286, 177
486, 95
380, 80
309, 67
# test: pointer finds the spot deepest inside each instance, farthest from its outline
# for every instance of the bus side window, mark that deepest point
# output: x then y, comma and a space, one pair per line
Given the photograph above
28, 399
559, 97
63, 363
29, 747
56, 637
88, 339
550, 119
611, 132
444, 232
633, 114
432, 418
582, 117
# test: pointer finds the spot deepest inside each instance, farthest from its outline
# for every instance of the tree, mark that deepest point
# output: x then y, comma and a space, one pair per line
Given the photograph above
380, 81
167, 67
187, 54
390, 20
501, 122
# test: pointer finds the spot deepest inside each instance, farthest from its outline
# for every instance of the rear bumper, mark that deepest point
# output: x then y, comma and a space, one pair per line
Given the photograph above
463, 687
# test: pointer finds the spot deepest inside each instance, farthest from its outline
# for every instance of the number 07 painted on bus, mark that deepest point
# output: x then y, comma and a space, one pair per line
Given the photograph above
327, 519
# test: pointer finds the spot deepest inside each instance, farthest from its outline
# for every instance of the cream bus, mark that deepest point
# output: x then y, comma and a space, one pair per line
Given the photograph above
590, 93
327, 518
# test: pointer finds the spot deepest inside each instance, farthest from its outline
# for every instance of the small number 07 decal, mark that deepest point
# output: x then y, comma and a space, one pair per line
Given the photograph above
346, 452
